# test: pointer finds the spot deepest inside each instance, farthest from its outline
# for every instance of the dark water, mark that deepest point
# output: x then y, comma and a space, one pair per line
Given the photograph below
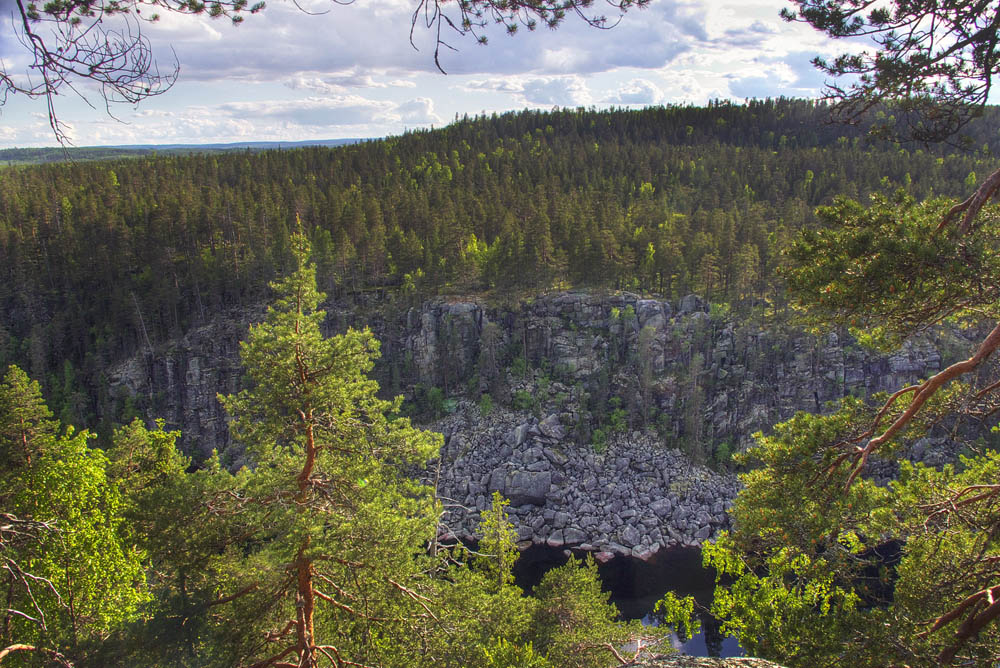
636, 586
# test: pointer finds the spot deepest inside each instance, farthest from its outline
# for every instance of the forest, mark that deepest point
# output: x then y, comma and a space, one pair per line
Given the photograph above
322, 551
119, 549
101, 259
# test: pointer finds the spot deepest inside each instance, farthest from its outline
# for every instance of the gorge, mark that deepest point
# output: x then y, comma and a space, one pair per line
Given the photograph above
693, 384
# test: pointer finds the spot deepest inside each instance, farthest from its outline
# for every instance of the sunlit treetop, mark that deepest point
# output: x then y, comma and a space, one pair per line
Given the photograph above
891, 270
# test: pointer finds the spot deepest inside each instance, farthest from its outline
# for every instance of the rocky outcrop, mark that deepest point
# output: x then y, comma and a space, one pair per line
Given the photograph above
684, 661
683, 375
746, 375
633, 499
179, 382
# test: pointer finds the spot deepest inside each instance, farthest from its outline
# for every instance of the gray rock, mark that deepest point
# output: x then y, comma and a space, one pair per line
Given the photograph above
517, 436
690, 304
630, 536
523, 487
661, 507
556, 456
552, 428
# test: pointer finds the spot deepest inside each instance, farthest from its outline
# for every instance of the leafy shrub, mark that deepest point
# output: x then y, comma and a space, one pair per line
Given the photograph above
599, 441
524, 401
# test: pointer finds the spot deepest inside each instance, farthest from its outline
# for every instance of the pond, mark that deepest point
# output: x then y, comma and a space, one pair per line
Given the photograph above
636, 586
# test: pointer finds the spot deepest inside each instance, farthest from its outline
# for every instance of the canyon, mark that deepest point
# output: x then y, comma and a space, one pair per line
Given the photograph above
610, 419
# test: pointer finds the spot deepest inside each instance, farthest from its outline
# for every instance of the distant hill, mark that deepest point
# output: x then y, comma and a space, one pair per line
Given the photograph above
35, 156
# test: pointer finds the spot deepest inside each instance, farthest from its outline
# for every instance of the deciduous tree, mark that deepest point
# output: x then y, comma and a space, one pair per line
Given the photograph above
69, 573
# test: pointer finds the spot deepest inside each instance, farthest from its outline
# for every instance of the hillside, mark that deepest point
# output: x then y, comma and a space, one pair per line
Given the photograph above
101, 259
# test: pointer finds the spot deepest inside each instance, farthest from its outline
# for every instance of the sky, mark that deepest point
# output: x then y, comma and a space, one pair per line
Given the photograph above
320, 70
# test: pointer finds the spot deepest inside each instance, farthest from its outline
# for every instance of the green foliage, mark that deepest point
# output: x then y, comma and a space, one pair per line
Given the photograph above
524, 401
885, 271
519, 367
617, 417
723, 453
192, 540
719, 311
574, 622
331, 488
827, 567
599, 441
504, 654
485, 405
796, 611
678, 614
478, 624
71, 574
498, 544
429, 403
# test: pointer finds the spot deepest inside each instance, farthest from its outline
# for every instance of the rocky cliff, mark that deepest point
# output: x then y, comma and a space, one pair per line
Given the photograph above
682, 661
602, 409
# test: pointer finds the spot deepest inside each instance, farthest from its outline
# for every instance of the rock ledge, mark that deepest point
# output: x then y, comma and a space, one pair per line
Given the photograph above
683, 661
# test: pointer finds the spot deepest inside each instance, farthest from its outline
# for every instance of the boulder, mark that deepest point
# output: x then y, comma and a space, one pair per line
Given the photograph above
524, 487
691, 304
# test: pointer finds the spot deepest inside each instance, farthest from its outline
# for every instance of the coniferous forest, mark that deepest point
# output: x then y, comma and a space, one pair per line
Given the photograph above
100, 259
118, 549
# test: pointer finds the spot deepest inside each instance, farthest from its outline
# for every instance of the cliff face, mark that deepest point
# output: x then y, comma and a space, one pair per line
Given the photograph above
604, 407
736, 377
706, 378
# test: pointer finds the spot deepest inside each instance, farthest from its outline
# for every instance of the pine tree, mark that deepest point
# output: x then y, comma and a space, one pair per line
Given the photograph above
337, 565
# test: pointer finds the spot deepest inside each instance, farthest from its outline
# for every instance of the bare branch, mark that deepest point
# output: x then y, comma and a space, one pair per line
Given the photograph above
926, 390
21, 647
971, 206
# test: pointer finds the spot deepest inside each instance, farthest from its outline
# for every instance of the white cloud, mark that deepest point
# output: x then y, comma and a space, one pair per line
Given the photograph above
314, 111
419, 111
569, 91
504, 85
353, 72
637, 91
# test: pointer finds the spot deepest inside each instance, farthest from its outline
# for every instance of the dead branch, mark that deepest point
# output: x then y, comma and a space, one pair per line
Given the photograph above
346, 608
339, 660
955, 501
274, 636
272, 660
232, 597
987, 390
421, 600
